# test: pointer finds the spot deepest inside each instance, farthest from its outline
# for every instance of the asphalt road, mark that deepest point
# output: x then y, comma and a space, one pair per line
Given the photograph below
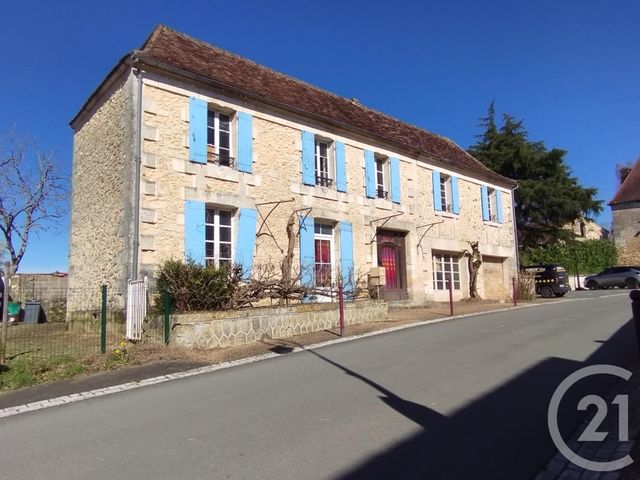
460, 399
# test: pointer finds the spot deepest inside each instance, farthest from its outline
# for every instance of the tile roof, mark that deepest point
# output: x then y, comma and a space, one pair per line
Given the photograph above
629, 191
171, 50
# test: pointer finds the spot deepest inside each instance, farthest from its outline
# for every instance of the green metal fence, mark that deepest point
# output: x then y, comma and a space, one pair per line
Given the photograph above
93, 323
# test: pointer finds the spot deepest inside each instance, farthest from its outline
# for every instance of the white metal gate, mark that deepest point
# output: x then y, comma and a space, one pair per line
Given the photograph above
136, 308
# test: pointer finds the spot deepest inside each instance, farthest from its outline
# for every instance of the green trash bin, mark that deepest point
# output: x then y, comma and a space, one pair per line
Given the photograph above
13, 311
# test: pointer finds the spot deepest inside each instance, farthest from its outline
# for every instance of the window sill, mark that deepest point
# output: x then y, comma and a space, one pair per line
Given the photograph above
327, 193
492, 224
226, 174
447, 214
383, 204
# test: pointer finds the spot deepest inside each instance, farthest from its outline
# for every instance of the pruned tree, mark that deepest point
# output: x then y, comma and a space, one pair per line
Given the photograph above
32, 194
474, 262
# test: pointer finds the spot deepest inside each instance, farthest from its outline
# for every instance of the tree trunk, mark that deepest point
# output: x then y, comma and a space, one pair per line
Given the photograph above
474, 261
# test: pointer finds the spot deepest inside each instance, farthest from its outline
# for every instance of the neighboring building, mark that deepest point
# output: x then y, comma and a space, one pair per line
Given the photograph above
585, 229
48, 289
625, 210
222, 140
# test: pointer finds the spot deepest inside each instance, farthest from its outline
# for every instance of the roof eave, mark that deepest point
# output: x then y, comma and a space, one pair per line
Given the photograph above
139, 56
124, 63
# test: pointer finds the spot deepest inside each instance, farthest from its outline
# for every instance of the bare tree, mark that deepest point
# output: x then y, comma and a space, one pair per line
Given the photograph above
32, 194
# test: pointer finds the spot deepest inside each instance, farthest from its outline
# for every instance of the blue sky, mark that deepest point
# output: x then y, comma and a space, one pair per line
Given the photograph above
570, 69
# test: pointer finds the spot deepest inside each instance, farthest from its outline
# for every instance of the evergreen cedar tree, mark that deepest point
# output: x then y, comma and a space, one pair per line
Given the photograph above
548, 196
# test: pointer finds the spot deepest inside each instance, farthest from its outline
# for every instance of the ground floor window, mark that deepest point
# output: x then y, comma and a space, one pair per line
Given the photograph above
446, 267
323, 241
218, 235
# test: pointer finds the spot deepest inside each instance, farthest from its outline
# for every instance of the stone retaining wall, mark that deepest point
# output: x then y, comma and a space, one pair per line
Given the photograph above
240, 327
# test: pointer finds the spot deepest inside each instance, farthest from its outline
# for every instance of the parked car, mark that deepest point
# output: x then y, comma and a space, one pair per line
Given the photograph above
550, 279
623, 277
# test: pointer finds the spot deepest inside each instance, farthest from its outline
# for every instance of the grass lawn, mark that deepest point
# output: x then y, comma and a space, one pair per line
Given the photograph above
25, 372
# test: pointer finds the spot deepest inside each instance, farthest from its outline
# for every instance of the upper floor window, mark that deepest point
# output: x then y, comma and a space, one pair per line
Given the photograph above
219, 138
445, 193
492, 204
323, 242
324, 163
382, 177
218, 235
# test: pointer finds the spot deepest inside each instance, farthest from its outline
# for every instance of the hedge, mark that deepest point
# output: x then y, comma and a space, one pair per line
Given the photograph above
584, 257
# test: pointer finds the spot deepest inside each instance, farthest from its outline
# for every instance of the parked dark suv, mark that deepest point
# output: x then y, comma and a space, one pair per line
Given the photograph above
623, 277
551, 279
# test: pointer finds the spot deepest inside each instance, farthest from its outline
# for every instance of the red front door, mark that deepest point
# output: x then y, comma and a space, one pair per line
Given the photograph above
389, 260
391, 257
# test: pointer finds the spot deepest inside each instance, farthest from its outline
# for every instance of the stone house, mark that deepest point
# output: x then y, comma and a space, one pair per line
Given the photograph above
586, 229
625, 212
185, 149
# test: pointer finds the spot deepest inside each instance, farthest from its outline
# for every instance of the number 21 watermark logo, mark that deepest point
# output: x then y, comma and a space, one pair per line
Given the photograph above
591, 432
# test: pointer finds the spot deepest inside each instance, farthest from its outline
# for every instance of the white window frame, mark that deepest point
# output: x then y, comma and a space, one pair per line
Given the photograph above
330, 158
447, 264
216, 134
331, 239
445, 193
492, 204
215, 260
382, 167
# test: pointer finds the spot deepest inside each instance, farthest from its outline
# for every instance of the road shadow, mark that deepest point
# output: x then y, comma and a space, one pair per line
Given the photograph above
501, 435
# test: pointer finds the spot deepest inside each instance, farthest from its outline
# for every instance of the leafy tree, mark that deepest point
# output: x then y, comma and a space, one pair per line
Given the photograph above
548, 196
32, 194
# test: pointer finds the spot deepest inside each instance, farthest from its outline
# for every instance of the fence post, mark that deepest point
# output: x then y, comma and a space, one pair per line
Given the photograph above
4, 315
514, 288
341, 307
635, 309
165, 313
103, 321
450, 287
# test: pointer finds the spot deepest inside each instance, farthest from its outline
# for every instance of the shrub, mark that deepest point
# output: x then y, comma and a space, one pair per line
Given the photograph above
588, 256
526, 287
193, 287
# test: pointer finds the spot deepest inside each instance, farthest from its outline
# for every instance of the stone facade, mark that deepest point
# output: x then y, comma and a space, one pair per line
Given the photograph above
101, 234
101, 208
626, 225
585, 229
170, 178
228, 329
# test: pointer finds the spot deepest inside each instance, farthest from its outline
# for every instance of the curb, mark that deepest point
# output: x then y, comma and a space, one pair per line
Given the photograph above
100, 392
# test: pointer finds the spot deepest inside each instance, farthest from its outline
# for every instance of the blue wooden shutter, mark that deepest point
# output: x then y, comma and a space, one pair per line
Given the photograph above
484, 196
341, 167
455, 195
197, 130
437, 199
246, 241
370, 174
308, 159
307, 251
394, 163
194, 231
346, 255
245, 142
499, 205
